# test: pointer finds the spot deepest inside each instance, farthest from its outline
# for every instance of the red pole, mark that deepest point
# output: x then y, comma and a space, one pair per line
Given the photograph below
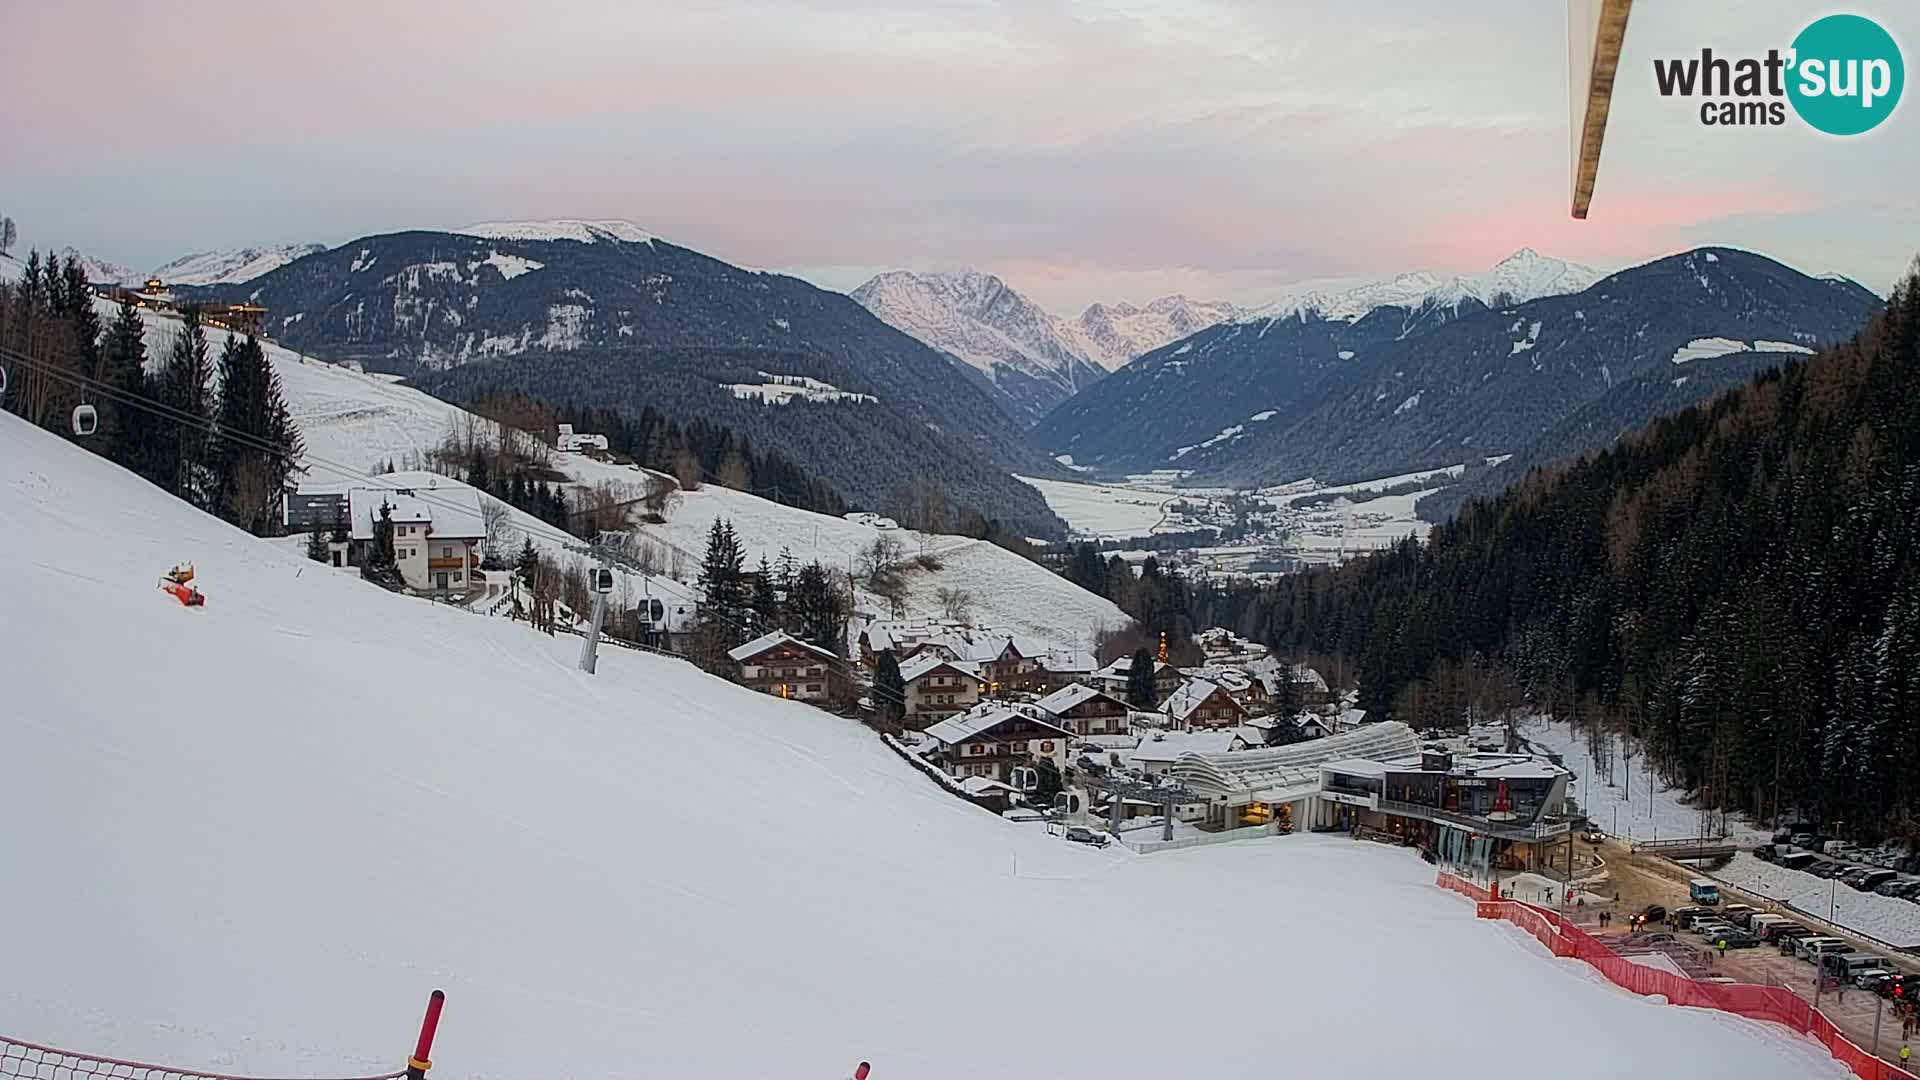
420, 1062
861, 1072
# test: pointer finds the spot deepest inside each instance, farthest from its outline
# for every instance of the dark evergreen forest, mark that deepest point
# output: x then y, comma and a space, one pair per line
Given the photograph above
1736, 585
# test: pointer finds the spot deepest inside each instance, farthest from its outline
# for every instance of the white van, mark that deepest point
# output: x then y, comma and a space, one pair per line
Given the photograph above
1815, 948
1759, 923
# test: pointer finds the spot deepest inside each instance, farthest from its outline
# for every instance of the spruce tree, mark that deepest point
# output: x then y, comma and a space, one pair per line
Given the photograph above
182, 385
889, 691
258, 444
128, 430
1140, 687
765, 599
317, 549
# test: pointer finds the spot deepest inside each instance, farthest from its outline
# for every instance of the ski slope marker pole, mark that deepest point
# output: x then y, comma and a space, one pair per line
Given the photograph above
420, 1062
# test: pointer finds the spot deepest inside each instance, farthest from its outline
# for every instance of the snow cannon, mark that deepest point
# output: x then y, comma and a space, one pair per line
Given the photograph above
186, 594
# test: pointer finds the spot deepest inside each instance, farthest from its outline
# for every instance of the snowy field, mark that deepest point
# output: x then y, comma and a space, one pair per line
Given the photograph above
1656, 814
1105, 510
1895, 922
1009, 593
278, 820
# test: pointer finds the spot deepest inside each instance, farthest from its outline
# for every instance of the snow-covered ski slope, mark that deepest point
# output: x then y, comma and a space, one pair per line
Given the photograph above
353, 423
250, 837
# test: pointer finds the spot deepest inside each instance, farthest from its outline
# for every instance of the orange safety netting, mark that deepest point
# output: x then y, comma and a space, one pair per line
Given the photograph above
1775, 1004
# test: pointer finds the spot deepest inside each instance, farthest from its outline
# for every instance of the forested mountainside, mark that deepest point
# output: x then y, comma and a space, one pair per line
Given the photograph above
1737, 584
1427, 380
601, 314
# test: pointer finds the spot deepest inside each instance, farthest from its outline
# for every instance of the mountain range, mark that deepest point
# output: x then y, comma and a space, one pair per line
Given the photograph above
1032, 359
604, 313
205, 268
1530, 361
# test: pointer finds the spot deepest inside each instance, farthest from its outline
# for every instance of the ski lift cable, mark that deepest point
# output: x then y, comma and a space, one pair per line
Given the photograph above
171, 413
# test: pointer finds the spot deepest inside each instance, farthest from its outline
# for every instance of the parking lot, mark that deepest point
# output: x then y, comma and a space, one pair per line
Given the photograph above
1634, 881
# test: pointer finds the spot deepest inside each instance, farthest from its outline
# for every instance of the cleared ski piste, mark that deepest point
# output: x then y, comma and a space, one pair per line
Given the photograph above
251, 837
1643, 814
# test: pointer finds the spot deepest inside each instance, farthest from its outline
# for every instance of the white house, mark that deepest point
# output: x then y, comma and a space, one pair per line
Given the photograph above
938, 687
991, 740
437, 528
574, 442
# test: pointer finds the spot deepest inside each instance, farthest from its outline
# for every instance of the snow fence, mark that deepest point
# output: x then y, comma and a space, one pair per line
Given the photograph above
31, 1061
1774, 1004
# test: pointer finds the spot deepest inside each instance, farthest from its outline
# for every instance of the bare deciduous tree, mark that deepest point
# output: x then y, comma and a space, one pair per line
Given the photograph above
956, 604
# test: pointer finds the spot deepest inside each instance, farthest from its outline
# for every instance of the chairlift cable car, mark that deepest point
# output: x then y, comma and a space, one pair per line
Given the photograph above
86, 420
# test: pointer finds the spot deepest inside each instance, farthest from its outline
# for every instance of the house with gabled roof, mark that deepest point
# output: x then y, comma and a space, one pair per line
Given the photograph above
991, 740
1202, 704
938, 687
784, 666
1085, 710
1113, 678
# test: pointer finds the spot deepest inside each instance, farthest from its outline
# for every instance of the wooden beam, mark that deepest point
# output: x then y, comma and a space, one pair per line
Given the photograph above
1599, 98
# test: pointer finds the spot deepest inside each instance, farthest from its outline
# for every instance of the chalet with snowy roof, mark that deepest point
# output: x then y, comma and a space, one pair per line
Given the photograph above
437, 526
1244, 688
1084, 710
1202, 704
938, 687
1156, 753
576, 442
992, 740
1113, 679
784, 666
1312, 725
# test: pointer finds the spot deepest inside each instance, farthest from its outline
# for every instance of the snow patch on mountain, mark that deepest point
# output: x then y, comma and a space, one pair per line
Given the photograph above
579, 231
511, 266
1708, 347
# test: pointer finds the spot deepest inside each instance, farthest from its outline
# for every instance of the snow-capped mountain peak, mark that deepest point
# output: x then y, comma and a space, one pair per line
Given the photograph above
1112, 334
1522, 276
979, 320
101, 272
585, 232
231, 267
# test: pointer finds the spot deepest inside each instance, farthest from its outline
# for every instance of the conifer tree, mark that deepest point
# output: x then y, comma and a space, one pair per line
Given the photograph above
317, 549
128, 430
1140, 686
258, 443
765, 599
182, 384
889, 691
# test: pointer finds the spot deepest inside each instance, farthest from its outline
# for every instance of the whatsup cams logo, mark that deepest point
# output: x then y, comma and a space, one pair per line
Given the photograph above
1842, 76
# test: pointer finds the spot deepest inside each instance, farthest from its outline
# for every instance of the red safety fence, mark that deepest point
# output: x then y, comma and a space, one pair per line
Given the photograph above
1771, 1003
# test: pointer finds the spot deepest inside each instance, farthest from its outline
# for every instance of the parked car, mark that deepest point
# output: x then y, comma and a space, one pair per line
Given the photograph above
1684, 915
1815, 948
1653, 913
1080, 834
1739, 914
1872, 879
1803, 840
1786, 936
1821, 868
1898, 887
1658, 938
1797, 860
1873, 980
1764, 852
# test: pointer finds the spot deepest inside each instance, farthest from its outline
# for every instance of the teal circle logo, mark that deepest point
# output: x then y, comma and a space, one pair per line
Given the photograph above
1847, 74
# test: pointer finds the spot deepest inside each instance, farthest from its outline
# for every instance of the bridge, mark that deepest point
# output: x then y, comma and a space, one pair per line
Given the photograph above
1692, 849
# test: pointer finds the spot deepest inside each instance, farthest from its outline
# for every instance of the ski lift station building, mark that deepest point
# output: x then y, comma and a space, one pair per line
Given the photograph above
1381, 779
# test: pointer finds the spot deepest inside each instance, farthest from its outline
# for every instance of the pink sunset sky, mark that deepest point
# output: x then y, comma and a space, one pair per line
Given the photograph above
1084, 151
